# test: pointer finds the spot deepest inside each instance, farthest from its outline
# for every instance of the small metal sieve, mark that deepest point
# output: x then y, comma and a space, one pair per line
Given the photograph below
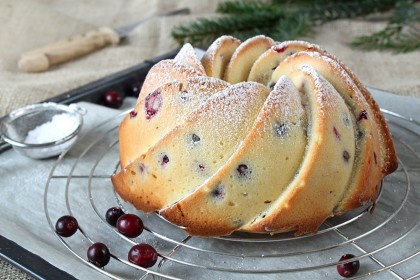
15, 127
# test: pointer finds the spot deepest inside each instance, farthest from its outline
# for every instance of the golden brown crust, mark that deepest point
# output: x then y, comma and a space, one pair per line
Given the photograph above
367, 173
244, 57
347, 180
323, 175
218, 56
367, 192
139, 199
390, 161
173, 111
151, 180
200, 228
388, 148
220, 207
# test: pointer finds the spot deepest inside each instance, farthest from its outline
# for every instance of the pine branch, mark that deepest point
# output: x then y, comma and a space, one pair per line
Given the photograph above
243, 7
406, 12
317, 10
402, 34
287, 20
292, 27
390, 38
348, 9
204, 31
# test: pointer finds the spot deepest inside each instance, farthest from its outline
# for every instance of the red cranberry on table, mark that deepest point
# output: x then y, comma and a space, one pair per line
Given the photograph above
66, 226
136, 88
98, 254
130, 225
112, 215
143, 255
348, 269
113, 99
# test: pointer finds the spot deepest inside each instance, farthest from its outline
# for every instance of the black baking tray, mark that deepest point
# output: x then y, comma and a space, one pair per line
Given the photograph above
122, 82
125, 82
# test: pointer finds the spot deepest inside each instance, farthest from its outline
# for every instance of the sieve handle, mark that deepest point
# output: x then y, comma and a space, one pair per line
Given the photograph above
4, 146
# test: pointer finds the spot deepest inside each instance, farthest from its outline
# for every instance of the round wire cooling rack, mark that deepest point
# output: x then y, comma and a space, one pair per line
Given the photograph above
386, 242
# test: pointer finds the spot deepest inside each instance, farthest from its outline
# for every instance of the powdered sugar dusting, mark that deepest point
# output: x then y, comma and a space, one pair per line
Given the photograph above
285, 102
182, 98
206, 84
231, 108
286, 44
164, 72
191, 95
336, 66
284, 85
214, 120
278, 100
187, 56
216, 45
242, 47
221, 48
326, 95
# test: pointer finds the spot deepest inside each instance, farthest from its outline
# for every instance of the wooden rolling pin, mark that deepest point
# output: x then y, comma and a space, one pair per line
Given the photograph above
43, 58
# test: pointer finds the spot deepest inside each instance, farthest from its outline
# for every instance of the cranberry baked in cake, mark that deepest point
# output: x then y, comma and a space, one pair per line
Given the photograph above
257, 136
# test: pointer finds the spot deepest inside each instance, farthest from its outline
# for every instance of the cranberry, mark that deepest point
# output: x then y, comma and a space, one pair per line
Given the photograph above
201, 167
195, 138
218, 192
143, 255
113, 99
66, 226
135, 88
363, 115
345, 119
130, 225
133, 114
142, 167
280, 50
348, 269
337, 134
98, 254
243, 170
152, 104
112, 215
165, 160
346, 156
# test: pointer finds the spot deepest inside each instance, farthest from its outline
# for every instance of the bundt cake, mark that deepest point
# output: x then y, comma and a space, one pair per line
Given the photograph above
257, 136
